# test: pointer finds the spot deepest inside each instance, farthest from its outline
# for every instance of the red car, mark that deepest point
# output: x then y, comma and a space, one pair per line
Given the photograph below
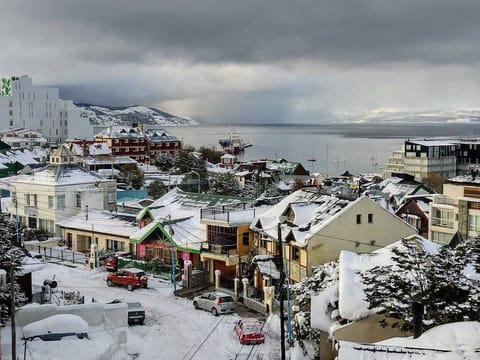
131, 278
111, 262
249, 331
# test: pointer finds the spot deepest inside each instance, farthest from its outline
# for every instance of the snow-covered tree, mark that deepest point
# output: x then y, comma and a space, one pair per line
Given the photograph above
323, 276
224, 184
187, 161
437, 281
10, 255
164, 162
156, 189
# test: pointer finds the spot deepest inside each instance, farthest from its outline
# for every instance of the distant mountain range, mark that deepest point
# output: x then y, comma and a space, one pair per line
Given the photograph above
126, 115
391, 116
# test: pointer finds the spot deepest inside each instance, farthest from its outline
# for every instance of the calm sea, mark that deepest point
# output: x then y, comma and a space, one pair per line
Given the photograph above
359, 148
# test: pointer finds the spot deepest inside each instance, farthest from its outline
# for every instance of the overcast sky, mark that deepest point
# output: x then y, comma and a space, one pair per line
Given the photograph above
244, 61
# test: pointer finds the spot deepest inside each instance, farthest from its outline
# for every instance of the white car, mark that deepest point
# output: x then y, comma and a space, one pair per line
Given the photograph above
216, 302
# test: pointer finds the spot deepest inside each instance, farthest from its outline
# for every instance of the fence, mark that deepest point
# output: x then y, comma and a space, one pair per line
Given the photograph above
61, 254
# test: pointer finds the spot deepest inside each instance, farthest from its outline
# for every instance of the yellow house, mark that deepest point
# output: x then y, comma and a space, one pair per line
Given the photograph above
110, 232
315, 227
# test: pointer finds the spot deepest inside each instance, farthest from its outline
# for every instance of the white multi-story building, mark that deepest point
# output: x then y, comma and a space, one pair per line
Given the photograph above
24, 105
60, 190
423, 157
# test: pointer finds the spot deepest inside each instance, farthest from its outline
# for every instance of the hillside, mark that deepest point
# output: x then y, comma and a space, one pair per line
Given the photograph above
394, 116
125, 115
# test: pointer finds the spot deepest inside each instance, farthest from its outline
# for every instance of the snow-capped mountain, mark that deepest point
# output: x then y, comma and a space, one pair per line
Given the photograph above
390, 115
126, 115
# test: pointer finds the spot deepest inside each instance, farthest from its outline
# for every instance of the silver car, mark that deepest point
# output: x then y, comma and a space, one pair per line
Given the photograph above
216, 302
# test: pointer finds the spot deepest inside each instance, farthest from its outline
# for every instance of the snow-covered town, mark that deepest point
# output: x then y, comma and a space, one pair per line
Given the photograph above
249, 180
134, 245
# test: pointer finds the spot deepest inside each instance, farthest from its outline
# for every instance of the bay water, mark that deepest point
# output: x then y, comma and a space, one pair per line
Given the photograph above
329, 149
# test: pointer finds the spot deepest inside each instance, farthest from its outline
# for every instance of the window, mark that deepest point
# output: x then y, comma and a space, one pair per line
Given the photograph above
474, 223
245, 239
111, 196
370, 218
31, 199
61, 202
50, 202
359, 218
79, 200
115, 245
32, 222
295, 253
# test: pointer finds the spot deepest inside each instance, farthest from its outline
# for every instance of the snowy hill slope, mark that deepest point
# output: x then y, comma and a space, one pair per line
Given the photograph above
125, 115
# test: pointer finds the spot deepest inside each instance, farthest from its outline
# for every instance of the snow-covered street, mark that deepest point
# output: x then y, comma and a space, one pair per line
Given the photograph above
173, 329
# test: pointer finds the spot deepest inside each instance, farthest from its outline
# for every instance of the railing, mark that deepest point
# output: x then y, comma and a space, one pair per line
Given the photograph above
444, 200
228, 212
442, 222
228, 250
62, 254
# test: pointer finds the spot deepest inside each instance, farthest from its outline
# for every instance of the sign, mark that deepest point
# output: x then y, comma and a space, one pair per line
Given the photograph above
6, 87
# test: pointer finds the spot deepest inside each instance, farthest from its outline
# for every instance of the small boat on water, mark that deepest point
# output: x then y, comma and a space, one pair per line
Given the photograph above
232, 144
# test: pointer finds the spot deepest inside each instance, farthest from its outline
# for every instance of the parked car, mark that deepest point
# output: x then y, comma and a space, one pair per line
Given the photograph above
131, 278
216, 302
135, 311
249, 331
56, 327
111, 262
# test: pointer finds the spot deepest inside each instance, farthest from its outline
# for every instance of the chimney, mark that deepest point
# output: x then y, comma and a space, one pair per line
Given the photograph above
417, 310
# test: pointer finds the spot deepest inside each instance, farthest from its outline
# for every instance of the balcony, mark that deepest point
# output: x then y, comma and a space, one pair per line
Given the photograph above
442, 222
236, 213
444, 200
220, 249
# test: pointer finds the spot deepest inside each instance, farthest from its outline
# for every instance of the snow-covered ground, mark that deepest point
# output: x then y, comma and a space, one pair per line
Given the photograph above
172, 330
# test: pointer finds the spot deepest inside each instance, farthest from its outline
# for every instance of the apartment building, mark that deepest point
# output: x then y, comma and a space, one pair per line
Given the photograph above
23, 105
457, 211
445, 157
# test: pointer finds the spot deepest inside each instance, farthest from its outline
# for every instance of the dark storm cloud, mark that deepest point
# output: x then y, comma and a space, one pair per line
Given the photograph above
347, 32
223, 60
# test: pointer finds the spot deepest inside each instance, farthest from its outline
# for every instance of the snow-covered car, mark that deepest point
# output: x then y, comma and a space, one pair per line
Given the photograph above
56, 327
249, 331
216, 302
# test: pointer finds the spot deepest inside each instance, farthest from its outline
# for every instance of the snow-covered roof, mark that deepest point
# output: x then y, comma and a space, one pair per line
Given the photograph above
464, 179
267, 266
432, 142
160, 135
60, 175
454, 341
118, 131
100, 221
23, 157
311, 209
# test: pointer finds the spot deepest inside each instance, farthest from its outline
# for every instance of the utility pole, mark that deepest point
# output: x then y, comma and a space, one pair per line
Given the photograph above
12, 311
173, 253
282, 278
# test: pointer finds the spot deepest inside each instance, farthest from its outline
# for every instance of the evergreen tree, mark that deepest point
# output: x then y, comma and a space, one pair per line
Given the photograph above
186, 161
437, 281
164, 162
11, 254
156, 189
224, 184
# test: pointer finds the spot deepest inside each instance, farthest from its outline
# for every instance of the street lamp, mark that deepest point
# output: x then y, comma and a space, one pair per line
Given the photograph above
198, 182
